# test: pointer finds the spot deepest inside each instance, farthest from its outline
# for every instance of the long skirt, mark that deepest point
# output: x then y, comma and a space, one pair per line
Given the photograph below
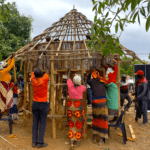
112, 95
100, 116
6, 96
76, 119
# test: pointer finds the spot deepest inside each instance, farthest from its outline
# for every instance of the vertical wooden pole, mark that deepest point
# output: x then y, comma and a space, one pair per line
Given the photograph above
59, 102
14, 70
65, 109
21, 65
56, 98
118, 81
52, 96
84, 97
25, 90
31, 92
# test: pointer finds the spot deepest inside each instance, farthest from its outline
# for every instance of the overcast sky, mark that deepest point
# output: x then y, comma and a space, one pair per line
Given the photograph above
46, 12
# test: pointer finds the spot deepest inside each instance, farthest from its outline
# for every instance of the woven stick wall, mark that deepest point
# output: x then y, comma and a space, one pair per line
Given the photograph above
56, 56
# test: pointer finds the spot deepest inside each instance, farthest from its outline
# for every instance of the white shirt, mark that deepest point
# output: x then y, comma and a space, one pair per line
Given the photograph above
130, 81
88, 86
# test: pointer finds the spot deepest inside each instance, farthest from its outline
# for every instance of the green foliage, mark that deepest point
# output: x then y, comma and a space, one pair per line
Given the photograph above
128, 69
0, 57
149, 56
101, 29
15, 30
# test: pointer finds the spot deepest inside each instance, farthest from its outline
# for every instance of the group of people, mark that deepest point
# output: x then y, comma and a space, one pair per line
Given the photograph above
104, 100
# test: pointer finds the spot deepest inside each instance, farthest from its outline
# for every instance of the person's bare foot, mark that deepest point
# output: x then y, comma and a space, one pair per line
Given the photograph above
71, 148
94, 139
101, 142
75, 143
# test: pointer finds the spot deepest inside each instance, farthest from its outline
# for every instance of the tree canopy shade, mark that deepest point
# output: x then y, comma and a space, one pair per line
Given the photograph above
15, 30
103, 22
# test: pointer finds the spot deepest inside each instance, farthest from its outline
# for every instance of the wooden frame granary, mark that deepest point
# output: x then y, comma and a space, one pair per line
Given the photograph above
56, 56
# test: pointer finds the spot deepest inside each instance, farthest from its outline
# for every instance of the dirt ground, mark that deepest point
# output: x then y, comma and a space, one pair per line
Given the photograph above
23, 140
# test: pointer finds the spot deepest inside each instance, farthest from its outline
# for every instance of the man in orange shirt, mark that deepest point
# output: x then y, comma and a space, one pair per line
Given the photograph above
39, 107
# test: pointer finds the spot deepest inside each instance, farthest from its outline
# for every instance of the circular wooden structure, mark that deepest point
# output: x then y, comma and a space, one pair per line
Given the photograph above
56, 56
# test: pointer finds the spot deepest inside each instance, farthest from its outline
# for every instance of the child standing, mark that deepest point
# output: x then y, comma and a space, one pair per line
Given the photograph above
13, 111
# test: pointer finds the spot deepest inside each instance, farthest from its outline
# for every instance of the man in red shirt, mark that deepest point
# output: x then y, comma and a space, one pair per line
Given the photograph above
39, 107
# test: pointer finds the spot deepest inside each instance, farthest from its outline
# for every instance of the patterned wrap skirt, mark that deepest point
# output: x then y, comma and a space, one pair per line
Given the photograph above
76, 118
100, 116
6, 96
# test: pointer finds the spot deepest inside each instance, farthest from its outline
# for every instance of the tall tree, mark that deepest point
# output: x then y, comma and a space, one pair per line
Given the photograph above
101, 34
15, 30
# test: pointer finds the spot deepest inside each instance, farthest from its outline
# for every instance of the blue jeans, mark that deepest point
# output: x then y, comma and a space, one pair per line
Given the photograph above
39, 111
13, 110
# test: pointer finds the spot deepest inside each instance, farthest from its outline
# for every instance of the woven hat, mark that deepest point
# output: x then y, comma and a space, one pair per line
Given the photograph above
77, 80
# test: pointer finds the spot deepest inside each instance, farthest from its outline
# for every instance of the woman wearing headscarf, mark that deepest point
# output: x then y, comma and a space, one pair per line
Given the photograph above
6, 93
99, 105
112, 93
75, 111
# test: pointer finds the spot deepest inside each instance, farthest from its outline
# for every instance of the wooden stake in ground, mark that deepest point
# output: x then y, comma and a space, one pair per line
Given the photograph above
118, 81
14, 70
25, 91
52, 96
59, 102
132, 132
8, 141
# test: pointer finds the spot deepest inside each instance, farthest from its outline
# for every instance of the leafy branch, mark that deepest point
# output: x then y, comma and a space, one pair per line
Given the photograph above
101, 37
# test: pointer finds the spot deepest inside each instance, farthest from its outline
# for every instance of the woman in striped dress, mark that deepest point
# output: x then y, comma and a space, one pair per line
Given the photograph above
75, 111
6, 93
99, 106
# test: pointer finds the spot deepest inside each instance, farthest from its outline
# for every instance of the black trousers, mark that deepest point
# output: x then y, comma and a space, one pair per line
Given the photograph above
141, 109
124, 96
89, 97
39, 111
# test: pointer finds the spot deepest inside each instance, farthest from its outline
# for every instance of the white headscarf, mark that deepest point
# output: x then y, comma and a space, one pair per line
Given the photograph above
77, 80
2, 65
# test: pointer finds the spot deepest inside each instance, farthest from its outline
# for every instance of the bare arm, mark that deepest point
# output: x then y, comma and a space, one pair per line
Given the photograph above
111, 65
69, 71
103, 62
83, 80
